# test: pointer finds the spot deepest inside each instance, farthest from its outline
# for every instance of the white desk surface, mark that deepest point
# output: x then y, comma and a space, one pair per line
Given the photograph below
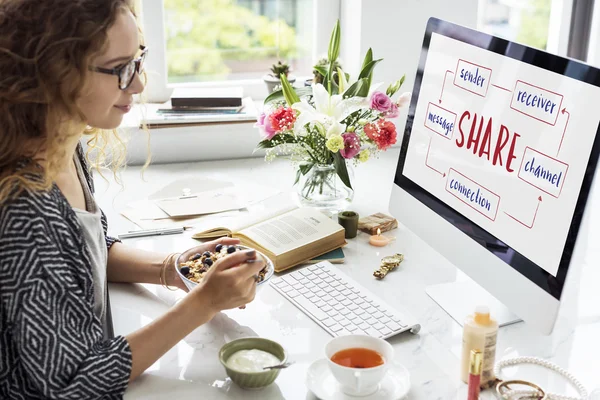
191, 369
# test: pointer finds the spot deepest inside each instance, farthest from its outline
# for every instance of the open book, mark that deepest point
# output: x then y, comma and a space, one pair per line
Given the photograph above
287, 235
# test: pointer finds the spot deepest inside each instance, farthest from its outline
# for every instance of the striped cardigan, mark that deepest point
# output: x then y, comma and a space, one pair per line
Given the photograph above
51, 342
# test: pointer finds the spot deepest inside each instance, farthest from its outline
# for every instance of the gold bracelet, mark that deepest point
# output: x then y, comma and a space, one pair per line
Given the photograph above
162, 276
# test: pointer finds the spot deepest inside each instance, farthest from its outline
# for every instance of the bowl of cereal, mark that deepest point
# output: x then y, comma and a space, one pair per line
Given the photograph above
192, 266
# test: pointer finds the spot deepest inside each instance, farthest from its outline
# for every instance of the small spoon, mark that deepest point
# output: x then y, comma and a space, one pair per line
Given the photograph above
280, 366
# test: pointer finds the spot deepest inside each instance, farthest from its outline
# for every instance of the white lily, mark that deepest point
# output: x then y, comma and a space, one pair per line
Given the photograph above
329, 111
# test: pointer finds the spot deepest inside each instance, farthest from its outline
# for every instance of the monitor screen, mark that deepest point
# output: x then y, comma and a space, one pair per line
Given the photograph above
502, 141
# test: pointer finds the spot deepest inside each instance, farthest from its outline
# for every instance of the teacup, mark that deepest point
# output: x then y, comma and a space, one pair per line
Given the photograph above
364, 380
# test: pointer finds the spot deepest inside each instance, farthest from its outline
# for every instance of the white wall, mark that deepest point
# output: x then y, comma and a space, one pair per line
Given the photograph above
594, 45
393, 28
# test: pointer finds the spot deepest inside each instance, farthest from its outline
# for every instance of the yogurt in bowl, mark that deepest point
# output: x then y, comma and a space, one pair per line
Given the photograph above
244, 361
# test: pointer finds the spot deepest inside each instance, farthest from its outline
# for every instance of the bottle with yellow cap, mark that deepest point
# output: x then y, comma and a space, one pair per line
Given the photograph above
480, 332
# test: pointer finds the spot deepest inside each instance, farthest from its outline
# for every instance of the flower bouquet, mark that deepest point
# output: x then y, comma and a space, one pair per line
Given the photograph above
324, 126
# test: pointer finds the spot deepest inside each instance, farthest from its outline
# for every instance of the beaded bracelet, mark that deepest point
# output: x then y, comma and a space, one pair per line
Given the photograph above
162, 276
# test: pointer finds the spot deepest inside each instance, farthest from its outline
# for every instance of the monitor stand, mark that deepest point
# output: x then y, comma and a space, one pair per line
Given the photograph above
460, 298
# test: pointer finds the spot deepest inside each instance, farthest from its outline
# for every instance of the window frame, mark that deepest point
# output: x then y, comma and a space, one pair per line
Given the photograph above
325, 15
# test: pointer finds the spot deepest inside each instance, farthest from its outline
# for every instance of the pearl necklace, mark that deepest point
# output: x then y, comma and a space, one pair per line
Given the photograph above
547, 364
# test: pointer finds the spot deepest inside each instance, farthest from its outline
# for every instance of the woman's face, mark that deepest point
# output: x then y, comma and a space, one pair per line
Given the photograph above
104, 103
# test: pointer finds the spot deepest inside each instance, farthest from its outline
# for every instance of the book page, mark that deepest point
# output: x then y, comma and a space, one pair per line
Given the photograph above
255, 213
292, 230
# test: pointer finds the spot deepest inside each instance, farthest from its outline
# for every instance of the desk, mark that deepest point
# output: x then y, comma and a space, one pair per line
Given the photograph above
191, 370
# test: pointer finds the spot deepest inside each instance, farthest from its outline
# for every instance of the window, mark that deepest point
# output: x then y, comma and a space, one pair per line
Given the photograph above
543, 24
231, 42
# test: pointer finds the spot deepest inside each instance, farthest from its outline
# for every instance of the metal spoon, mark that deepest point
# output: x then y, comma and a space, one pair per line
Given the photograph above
280, 366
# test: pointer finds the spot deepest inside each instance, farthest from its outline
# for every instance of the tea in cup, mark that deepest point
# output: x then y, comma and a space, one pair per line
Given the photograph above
359, 362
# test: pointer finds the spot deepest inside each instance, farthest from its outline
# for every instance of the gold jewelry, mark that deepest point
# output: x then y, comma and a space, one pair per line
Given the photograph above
504, 391
162, 276
388, 264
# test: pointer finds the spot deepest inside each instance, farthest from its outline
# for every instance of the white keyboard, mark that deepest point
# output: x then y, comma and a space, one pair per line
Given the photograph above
339, 304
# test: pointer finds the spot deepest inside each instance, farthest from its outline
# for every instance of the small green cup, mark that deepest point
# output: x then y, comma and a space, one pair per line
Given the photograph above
349, 220
252, 380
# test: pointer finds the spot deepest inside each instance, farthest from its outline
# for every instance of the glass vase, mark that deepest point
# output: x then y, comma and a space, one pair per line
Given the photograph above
322, 188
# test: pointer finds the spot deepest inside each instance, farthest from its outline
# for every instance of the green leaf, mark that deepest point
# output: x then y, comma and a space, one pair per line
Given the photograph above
265, 144
367, 71
278, 95
288, 91
303, 170
321, 69
340, 168
334, 43
359, 88
368, 58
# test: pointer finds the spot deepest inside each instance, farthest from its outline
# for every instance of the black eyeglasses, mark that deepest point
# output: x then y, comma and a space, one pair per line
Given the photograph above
126, 72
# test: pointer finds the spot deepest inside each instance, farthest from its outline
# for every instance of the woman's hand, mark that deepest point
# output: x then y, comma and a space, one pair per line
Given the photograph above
172, 277
229, 283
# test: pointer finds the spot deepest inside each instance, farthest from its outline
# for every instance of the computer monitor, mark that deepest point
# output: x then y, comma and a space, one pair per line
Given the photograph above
496, 164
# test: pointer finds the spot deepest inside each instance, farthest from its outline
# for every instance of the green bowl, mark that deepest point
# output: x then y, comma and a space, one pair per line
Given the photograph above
252, 380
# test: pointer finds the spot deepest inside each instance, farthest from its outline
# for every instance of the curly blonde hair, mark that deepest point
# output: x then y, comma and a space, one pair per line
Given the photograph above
45, 52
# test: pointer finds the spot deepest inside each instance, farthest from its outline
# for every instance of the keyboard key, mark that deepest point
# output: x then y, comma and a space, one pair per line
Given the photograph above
339, 307
310, 286
352, 328
353, 307
336, 328
311, 296
314, 268
371, 310
310, 307
355, 318
292, 293
329, 322
365, 305
340, 298
320, 304
345, 312
346, 302
289, 279
306, 272
343, 332
332, 313
372, 321
377, 315
339, 317
393, 326
372, 332
303, 290
379, 326
385, 331
326, 307
352, 296
345, 323
384, 320
364, 326
336, 285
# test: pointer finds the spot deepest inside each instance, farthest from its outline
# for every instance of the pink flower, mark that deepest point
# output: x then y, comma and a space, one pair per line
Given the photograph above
283, 119
393, 112
380, 102
265, 127
351, 145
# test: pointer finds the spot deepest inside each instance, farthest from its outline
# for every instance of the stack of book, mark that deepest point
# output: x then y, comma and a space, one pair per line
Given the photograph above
190, 101
202, 105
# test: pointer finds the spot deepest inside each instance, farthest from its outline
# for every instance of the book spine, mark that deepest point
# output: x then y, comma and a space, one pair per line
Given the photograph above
206, 102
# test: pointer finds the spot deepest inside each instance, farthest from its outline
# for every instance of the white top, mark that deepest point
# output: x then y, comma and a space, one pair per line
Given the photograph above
93, 233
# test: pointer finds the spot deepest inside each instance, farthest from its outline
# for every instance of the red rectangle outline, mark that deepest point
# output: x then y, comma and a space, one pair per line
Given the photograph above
499, 198
546, 90
477, 65
552, 158
453, 126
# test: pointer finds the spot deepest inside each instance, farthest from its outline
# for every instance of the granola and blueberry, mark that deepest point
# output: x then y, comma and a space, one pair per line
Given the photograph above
198, 264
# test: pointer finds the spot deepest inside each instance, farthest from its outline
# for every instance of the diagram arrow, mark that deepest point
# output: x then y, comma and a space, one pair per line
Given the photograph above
564, 111
500, 87
443, 174
444, 84
534, 215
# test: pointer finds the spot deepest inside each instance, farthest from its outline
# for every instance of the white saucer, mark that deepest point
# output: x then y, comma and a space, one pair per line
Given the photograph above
321, 382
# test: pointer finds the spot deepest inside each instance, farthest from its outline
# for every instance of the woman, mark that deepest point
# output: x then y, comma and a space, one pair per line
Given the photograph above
67, 66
